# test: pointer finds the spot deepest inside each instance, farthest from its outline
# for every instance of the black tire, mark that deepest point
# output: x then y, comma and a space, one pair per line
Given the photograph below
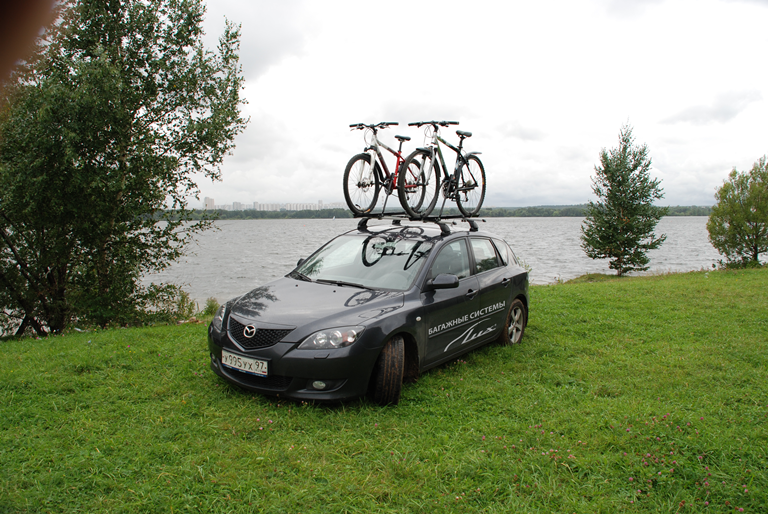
471, 190
418, 196
514, 327
387, 380
361, 190
414, 193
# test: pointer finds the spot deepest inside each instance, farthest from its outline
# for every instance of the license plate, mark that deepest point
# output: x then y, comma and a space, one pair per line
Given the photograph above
245, 364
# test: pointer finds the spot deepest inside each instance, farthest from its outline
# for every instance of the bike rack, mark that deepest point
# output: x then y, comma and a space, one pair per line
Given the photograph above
398, 217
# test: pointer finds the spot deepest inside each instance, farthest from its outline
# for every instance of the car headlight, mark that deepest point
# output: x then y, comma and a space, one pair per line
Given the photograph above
331, 338
218, 319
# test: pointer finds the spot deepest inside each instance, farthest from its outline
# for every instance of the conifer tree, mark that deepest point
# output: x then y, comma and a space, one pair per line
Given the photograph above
620, 225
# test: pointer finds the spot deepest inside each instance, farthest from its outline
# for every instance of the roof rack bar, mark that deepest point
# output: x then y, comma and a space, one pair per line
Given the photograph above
397, 219
404, 216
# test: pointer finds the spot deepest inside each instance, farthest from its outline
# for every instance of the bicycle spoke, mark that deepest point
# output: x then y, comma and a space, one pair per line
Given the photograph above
414, 189
471, 187
361, 184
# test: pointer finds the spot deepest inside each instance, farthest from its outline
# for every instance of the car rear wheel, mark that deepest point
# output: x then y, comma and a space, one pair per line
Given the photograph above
514, 328
387, 378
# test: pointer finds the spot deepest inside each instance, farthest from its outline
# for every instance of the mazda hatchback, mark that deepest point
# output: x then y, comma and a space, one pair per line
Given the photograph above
371, 309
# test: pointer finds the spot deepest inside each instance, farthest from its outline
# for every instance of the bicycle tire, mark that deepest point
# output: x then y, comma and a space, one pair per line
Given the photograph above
412, 175
419, 198
471, 189
361, 190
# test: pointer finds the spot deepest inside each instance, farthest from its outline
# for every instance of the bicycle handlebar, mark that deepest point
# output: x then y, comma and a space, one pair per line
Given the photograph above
441, 123
383, 124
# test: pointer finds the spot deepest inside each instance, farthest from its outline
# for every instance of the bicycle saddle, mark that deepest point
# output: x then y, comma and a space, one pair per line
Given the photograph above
402, 138
461, 133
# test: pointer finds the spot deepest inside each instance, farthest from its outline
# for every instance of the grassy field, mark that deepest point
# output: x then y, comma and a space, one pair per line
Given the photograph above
635, 395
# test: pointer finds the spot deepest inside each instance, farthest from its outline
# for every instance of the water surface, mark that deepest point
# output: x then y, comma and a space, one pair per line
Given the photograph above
242, 254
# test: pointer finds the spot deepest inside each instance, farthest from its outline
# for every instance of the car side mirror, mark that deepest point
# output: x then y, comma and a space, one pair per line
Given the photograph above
444, 281
301, 261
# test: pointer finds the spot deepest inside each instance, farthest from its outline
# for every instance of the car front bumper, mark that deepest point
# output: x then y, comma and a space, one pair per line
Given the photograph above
321, 375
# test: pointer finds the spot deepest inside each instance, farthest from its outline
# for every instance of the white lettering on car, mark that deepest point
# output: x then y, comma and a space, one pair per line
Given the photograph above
469, 335
466, 318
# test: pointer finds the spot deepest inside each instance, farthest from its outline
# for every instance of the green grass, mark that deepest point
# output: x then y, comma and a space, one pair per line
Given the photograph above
641, 394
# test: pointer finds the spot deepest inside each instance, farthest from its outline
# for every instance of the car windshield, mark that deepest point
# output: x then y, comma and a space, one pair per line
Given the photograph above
376, 261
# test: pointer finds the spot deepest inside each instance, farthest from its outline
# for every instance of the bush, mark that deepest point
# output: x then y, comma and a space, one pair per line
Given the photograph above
211, 306
738, 224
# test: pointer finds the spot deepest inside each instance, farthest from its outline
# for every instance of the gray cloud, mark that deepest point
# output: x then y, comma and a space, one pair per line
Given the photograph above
270, 31
407, 111
725, 107
758, 2
629, 8
516, 130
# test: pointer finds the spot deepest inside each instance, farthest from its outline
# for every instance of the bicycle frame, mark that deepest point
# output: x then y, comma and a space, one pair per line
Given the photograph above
388, 179
435, 148
376, 146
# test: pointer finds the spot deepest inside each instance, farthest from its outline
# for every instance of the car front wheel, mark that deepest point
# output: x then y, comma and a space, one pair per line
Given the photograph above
515, 325
387, 378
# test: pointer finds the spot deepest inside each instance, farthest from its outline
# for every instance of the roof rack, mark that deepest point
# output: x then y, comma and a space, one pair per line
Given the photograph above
397, 218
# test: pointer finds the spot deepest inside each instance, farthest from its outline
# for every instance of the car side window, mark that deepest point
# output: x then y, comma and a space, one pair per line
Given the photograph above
452, 259
503, 249
485, 255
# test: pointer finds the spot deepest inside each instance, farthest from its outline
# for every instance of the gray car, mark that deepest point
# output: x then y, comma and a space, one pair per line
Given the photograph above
370, 309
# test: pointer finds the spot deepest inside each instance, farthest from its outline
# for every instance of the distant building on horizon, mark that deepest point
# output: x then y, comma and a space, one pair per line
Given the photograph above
210, 204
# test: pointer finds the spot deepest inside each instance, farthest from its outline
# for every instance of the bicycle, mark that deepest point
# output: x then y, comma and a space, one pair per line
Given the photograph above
466, 185
364, 178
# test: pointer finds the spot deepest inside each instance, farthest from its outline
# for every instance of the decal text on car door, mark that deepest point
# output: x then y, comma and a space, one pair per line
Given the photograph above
466, 318
470, 334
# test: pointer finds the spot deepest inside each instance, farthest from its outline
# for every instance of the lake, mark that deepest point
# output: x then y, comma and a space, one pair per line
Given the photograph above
239, 255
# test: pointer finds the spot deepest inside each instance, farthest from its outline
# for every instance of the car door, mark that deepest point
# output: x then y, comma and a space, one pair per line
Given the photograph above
494, 280
447, 312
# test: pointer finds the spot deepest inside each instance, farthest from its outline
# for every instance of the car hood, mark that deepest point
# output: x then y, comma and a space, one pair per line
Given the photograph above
295, 303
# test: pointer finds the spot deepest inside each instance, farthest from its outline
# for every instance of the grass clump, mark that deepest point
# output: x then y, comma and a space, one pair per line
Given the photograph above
643, 394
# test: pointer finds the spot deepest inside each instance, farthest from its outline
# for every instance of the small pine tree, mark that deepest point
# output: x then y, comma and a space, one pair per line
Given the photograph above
620, 225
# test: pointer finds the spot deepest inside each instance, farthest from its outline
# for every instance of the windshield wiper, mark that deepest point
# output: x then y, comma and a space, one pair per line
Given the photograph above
300, 276
342, 283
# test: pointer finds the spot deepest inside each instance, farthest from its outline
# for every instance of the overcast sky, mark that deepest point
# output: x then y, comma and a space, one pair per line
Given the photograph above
543, 87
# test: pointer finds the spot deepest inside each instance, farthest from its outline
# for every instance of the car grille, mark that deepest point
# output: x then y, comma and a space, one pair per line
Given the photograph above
263, 338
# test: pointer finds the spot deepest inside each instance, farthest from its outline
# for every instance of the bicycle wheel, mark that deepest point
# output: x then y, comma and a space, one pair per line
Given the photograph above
361, 184
471, 189
413, 191
418, 183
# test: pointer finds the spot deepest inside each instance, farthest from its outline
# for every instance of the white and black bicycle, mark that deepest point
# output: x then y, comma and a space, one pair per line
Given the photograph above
466, 185
367, 173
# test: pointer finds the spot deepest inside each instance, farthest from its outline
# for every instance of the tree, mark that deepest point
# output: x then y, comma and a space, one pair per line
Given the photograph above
110, 124
620, 225
738, 224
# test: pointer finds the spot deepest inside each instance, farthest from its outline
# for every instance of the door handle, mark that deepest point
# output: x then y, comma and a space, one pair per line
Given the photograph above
505, 281
471, 294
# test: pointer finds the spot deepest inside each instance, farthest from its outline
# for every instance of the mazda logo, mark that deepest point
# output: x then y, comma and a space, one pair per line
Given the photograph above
249, 331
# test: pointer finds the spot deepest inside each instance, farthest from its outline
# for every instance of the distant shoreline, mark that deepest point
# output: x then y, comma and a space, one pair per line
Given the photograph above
544, 211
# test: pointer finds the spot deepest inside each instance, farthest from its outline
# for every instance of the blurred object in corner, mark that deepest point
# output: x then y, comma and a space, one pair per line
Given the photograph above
20, 23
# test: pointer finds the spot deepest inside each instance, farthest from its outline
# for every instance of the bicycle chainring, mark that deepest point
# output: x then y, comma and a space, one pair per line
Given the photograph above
449, 188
